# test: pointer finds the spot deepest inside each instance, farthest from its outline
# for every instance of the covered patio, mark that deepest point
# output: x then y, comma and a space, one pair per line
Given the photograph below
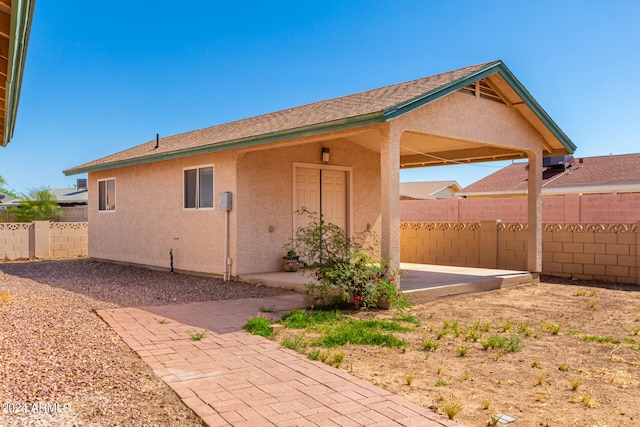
420, 282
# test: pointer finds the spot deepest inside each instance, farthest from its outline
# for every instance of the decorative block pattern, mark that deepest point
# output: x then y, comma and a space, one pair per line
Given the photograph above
591, 251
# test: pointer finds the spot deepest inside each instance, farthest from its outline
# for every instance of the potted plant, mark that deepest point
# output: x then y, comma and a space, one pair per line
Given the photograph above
290, 260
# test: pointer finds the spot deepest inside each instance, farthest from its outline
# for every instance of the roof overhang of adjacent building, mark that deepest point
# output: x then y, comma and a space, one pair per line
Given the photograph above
526, 104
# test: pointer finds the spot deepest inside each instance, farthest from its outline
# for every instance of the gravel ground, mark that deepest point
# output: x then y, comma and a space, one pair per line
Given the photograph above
61, 365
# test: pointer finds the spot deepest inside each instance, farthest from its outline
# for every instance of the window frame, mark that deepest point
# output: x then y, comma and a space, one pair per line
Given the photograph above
197, 188
106, 195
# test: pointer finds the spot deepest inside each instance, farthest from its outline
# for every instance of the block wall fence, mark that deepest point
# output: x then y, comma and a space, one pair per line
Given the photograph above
567, 208
590, 251
43, 239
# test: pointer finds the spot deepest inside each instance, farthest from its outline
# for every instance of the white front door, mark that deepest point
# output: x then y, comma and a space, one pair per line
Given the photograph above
322, 192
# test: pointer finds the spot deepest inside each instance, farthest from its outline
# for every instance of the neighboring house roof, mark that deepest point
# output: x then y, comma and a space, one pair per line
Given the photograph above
346, 112
427, 189
601, 174
64, 196
15, 26
67, 196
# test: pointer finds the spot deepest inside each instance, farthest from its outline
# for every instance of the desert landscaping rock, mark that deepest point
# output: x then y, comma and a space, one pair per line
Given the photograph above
61, 365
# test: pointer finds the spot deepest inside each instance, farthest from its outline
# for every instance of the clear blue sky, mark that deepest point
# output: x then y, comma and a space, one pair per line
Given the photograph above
104, 76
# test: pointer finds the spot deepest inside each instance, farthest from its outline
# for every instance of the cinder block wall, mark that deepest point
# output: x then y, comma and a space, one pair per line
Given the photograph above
43, 239
597, 251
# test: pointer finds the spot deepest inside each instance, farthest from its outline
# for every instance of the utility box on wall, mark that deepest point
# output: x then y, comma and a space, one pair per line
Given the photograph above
225, 201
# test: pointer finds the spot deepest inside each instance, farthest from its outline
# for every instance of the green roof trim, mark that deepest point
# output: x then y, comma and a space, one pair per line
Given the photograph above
347, 123
500, 68
336, 125
21, 18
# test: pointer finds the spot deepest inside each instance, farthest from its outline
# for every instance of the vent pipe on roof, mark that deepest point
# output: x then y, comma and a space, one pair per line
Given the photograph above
157, 140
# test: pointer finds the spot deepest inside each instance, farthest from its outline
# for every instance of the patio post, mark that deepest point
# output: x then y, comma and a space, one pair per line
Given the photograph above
534, 196
390, 195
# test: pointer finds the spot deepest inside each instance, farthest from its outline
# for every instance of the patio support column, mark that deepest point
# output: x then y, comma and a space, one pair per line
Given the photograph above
390, 195
534, 196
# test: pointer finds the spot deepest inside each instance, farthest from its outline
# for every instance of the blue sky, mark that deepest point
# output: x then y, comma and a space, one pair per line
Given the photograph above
104, 76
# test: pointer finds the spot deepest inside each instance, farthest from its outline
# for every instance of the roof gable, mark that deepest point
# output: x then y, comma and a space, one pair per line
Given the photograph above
360, 109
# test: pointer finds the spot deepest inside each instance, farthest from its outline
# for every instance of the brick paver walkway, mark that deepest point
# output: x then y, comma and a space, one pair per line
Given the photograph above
231, 377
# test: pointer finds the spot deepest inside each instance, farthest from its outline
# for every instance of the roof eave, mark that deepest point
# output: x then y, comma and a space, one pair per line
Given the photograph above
315, 129
492, 68
21, 19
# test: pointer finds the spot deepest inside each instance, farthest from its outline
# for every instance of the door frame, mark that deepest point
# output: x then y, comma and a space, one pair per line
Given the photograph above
348, 191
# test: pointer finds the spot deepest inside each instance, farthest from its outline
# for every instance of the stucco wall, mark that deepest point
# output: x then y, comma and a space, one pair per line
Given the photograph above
149, 219
265, 197
586, 208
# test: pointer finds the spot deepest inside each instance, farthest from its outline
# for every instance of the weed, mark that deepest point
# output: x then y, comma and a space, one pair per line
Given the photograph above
593, 305
362, 332
442, 333
589, 401
510, 344
465, 375
485, 326
431, 315
524, 329
593, 293
635, 330
259, 326
541, 377
429, 345
573, 332
452, 407
575, 382
506, 326
314, 354
5, 297
462, 351
580, 293
336, 360
553, 328
486, 403
300, 319
564, 367
163, 321
440, 370
407, 319
297, 344
601, 340
197, 336
408, 378
441, 383
536, 364
472, 334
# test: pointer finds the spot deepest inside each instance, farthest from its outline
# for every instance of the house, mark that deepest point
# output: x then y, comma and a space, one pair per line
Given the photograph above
222, 200
15, 25
428, 190
564, 175
600, 189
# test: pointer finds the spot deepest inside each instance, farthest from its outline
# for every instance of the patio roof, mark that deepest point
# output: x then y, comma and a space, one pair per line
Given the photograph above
350, 112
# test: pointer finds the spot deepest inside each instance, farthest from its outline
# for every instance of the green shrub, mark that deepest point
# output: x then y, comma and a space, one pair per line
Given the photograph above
259, 326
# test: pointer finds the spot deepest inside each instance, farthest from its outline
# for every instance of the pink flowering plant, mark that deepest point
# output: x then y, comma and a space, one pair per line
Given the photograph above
344, 269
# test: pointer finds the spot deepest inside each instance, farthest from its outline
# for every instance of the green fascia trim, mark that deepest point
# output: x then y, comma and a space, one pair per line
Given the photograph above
497, 67
21, 19
336, 125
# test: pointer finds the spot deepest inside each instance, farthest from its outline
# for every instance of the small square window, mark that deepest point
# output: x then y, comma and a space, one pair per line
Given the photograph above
107, 195
198, 188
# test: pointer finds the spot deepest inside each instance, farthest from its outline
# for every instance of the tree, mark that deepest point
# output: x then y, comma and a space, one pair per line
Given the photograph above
38, 205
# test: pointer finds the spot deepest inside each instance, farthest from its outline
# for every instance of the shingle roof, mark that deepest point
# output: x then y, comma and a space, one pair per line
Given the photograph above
623, 169
425, 189
368, 107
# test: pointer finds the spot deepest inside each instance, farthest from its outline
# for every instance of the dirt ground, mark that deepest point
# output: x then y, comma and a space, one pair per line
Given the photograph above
564, 326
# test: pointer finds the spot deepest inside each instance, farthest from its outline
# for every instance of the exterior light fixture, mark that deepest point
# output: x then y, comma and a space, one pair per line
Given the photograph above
325, 154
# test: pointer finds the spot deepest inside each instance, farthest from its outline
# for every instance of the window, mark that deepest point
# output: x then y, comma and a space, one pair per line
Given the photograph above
107, 195
198, 188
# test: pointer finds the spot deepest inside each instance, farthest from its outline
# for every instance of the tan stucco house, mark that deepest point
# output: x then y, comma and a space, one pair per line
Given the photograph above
340, 157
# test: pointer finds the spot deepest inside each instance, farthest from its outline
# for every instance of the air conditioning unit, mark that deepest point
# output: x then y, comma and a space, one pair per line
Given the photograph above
556, 162
81, 184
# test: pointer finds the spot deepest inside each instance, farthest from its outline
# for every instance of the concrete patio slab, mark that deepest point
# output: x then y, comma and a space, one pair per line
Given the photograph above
231, 377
